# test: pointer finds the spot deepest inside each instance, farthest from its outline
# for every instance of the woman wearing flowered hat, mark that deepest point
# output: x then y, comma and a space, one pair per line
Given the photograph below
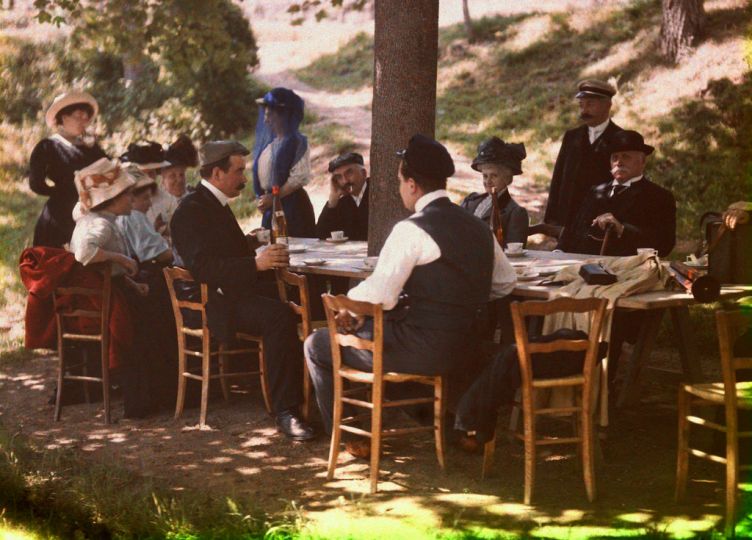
57, 158
281, 158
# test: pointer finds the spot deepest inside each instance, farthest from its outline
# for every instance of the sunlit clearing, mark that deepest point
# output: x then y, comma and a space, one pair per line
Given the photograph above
636, 517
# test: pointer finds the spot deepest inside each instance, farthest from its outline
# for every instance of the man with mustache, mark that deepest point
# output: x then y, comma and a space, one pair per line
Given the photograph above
215, 251
583, 161
347, 207
637, 212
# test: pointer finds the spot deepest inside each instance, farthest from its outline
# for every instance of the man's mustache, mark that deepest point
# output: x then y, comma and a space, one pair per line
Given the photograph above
617, 169
586, 116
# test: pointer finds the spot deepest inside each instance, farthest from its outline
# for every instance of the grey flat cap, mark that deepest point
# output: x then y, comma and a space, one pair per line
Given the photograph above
215, 151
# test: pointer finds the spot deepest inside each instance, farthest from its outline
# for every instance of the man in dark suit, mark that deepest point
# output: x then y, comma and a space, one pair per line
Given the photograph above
214, 249
637, 212
347, 207
583, 160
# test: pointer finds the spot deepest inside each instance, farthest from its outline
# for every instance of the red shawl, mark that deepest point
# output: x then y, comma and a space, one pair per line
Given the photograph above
43, 270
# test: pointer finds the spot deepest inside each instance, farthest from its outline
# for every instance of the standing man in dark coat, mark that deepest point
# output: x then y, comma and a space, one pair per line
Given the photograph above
214, 249
347, 207
583, 160
639, 213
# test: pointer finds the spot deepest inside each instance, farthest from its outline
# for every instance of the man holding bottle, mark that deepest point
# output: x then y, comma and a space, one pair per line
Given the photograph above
214, 249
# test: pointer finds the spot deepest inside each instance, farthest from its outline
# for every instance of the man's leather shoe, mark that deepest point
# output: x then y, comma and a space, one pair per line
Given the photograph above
293, 427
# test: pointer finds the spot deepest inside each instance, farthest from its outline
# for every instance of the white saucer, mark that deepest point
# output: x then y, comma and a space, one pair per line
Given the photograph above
336, 240
528, 277
296, 248
314, 262
363, 266
516, 254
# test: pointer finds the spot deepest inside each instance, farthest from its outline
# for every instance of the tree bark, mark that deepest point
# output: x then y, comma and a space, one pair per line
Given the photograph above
469, 29
682, 26
404, 101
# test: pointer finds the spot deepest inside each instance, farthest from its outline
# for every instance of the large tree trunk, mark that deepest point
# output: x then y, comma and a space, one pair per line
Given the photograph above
404, 101
682, 26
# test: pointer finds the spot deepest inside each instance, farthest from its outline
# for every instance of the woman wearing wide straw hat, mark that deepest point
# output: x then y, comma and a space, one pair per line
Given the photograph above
56, 159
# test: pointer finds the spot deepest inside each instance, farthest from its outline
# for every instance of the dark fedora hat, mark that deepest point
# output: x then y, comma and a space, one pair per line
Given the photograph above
348, 158
428, 157
494, 150
629, 141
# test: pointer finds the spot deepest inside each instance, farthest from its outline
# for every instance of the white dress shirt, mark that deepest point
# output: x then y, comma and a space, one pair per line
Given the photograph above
300, 173
143, 241
408, 246
221, 197
95, 231
359, 197
595, 132
626, 184
162, 204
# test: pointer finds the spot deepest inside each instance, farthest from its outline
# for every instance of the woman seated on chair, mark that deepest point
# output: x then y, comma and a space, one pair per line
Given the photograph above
105, 192
499, 162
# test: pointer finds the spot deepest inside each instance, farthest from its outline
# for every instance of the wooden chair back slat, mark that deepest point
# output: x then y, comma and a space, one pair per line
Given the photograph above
300, 282
332, 306
173, 274
730, 325
348, 340
559, 345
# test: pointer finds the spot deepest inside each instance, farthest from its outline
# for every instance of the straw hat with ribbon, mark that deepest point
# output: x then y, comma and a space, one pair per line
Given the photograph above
69, 98
101, 181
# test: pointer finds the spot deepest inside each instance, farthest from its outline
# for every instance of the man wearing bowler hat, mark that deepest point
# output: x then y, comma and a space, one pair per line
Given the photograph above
214, 249
347, 207
442, 261
583, 160
637, 212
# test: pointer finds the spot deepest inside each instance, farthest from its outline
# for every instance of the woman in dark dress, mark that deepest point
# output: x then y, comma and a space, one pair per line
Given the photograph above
281, 157
57, 158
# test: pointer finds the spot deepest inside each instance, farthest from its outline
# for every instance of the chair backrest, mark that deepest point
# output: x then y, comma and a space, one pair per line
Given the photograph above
597, 309
332, 306
173, 274
731, 324
101, 296
286, 278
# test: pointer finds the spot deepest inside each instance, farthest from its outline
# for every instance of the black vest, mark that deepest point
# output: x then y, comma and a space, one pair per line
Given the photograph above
446, 293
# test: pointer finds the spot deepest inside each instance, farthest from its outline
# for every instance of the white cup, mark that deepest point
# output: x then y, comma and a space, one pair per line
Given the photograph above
338, 235
514, 247
648, 251
263, 235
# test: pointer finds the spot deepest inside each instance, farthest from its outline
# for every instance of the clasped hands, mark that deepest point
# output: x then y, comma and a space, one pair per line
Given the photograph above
347, 323
604, 220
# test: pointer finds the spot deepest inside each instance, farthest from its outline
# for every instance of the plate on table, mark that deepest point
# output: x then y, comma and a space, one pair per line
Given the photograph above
296, 248
336, 240
515, 254
314, 262
528, 276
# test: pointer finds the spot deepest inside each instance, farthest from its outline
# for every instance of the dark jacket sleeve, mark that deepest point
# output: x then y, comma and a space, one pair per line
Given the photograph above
38, 169
194, 237
552, 215
516, 229
343, 217
660, 232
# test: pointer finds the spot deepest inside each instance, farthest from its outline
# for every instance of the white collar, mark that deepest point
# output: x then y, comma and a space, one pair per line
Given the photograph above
628, 182
428, 198
600, 128
221, 197
58, 137
359, 196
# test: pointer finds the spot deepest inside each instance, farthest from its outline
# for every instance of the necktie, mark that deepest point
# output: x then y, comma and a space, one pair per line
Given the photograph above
617, 190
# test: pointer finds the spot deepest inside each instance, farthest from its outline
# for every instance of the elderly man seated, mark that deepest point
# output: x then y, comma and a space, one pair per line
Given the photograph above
347, 207
637, 212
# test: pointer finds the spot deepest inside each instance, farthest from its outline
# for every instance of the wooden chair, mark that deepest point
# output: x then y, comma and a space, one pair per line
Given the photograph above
206, 353
375, 382
64, 335
729, 394
306, 326
581, 412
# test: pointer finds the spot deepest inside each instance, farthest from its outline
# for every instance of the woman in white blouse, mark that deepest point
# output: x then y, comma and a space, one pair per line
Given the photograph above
282, 158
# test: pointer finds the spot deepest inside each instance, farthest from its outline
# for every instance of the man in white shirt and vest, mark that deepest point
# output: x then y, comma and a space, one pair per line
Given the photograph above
437, 267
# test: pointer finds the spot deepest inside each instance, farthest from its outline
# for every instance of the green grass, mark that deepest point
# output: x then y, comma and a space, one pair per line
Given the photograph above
334, 137
351, 67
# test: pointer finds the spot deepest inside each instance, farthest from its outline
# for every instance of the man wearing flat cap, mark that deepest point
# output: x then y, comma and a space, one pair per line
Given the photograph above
442, 262
347, 207
214, 249
583, 161
499, 162
637, 212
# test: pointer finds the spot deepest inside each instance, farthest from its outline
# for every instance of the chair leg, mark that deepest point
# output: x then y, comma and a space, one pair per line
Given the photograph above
307, 393
222, 372
378, 400
262, 376
205, 374
85, 372
180, 403
488, 458
336, 421
438, 420
588, 455
682, 450
732, 477
105, 359
529, 423
60, 380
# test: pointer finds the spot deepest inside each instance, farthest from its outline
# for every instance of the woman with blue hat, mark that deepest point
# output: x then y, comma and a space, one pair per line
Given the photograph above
281, 157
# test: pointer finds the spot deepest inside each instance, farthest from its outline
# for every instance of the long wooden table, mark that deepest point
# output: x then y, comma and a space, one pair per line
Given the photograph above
346, 260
